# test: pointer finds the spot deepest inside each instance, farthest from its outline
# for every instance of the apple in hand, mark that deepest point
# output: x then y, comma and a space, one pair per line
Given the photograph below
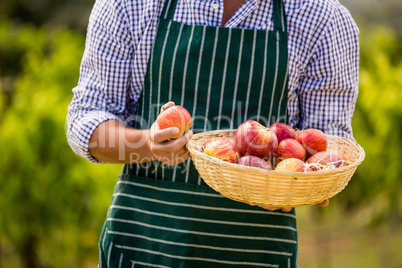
252, 138
254, 161
325, 158
283, 131
221, 148
313, 140
290, 148
291, 164
175, 116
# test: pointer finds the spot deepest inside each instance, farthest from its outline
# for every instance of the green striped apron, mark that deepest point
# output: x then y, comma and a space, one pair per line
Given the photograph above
164, 216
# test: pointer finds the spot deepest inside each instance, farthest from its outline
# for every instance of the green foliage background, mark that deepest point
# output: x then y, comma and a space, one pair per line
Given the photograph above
53, 203
377, 124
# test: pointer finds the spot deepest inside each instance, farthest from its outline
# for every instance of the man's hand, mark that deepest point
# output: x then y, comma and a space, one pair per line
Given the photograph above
165, 149
287, 209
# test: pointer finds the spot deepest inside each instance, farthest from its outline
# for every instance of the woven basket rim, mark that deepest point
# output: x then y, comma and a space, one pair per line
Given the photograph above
195, 148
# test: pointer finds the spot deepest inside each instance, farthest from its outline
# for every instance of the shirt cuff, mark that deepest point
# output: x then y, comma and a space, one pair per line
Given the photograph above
80, 130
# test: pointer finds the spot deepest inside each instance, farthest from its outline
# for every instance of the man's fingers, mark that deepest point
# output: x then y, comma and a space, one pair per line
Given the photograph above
170, 145
159, 136
284, 209
167, 105
323, 203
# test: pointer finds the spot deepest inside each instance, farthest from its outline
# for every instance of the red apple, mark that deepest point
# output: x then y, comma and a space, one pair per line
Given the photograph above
205, 144
345, 161
223, 149
290, 148
254, 161
283, 131
217, 140
325, 158
277, 159
175, 116
291, 164
341, 155
254, 139
313, 140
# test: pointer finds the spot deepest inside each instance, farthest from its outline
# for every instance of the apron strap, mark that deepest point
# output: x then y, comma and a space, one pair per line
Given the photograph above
279, 16
169, 9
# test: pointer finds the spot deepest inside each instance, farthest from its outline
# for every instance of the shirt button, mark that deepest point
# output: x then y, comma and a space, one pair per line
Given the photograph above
215, 6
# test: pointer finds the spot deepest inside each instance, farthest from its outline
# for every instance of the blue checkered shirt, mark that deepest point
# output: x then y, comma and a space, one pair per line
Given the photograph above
323, 60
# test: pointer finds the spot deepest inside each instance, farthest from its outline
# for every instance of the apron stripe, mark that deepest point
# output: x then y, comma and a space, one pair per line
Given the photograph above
109, 252
196, 258
263, 74
203, 194
137, 170
174, 173
251, 75
198, 71
215, 195
225, 67
161, 67
237, 79
146, 264
173, 62
104, 240
204, 220
186, 65
166, 9
182, 205
210, 79
281, 99
121, 260
196, 88
276, 77
187, 170
198, 233
242, 250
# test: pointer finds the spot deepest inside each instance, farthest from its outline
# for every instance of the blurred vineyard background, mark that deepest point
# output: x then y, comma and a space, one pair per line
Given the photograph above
53, 203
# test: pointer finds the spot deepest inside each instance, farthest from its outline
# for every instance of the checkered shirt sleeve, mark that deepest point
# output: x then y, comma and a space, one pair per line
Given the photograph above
325, 93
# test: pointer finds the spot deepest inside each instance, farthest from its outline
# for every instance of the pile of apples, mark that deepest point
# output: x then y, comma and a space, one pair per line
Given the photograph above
277, 147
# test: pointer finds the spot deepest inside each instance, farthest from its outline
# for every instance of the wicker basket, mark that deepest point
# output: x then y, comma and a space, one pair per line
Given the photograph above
261, 187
